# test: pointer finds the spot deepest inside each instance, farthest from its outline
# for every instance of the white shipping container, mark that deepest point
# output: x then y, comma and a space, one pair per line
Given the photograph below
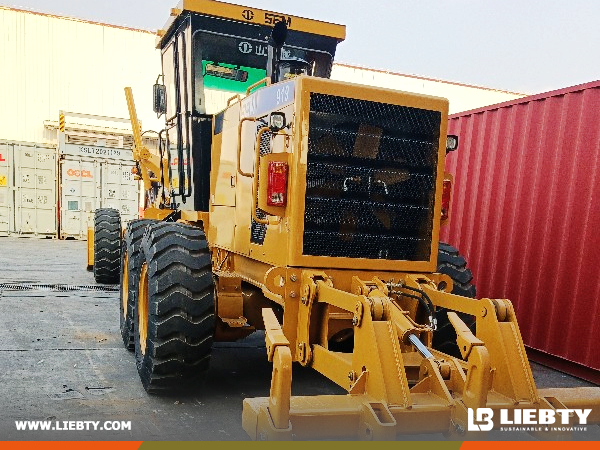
88, 184
6, 190
34, 187
120, 189
79, 186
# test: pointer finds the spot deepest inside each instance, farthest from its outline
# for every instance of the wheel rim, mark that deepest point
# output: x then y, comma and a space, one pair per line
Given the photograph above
143, 307
125, 286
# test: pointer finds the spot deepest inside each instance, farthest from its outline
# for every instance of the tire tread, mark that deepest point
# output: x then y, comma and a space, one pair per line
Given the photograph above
181, 317
107, 245
451, 263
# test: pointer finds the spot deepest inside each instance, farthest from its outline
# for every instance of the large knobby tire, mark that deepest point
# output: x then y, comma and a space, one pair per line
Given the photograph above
130, 272
107, 245
451, 263
175, 308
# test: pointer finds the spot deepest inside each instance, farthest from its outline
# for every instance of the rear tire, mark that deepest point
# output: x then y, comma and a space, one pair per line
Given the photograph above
107, 245
130, 272
451, 263
175, 308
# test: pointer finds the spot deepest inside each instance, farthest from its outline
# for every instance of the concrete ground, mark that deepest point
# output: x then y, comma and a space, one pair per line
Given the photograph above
62, 359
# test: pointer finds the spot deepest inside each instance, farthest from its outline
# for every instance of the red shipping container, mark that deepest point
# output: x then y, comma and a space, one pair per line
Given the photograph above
525, 213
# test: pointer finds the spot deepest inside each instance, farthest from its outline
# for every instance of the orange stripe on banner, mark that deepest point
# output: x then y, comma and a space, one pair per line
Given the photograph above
529, 445
70, 445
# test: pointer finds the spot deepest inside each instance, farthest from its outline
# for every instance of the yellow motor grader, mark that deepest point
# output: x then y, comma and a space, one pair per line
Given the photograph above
311, 209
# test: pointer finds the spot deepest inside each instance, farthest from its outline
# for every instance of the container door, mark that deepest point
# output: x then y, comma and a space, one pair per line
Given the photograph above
35, 180
119, 189
80, 186
6, 189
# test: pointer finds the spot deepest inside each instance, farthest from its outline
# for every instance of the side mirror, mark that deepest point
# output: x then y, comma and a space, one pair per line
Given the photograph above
279, 34
160, 99
276, 43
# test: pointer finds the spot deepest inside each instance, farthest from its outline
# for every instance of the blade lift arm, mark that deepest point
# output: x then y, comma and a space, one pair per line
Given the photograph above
396, 382
149, 163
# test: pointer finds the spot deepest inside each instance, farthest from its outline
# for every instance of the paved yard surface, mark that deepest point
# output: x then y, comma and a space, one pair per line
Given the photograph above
62, 359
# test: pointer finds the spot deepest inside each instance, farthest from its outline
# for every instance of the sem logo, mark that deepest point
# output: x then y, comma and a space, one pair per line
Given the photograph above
272, 19
248, 14
245, 47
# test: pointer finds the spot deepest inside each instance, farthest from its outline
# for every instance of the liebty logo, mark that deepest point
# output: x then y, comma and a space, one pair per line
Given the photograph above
481, 418
483, 415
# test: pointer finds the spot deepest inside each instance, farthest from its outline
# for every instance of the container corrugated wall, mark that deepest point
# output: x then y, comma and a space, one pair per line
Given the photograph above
526, 214
7, 203
27, 189
91, 177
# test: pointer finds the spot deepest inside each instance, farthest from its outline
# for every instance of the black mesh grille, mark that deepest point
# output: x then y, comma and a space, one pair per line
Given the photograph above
258, 231
370, 184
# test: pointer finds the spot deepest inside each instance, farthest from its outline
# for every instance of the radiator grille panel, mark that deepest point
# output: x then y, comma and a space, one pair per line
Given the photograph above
370, 184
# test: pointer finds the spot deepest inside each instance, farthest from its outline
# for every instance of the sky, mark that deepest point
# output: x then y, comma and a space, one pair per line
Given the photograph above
525, 46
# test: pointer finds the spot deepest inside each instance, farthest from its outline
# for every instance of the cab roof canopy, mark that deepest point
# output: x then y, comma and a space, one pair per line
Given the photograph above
248, 15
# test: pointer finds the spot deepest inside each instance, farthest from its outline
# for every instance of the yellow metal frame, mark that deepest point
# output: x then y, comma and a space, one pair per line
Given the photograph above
142, 308
148, 161
392, 388
396, 382
125, 283
252, 15
90, 248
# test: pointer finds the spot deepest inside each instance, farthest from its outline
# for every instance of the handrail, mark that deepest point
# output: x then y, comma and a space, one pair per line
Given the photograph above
235, 97
266, 80
239, 146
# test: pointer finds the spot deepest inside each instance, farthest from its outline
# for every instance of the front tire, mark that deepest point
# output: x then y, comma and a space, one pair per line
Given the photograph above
175, 308
130, 272
107, 245
451, 263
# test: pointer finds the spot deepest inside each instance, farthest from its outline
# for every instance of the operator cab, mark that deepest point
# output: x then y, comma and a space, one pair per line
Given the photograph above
212, 51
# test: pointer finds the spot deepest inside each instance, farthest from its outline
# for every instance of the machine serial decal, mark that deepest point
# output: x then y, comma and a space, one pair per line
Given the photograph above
99, 151
268, 99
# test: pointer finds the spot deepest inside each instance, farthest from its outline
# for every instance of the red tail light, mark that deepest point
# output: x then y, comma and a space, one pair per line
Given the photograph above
277, 183
447, 190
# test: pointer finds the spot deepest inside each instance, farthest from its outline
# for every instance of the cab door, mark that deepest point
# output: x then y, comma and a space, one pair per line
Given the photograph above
176, 65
